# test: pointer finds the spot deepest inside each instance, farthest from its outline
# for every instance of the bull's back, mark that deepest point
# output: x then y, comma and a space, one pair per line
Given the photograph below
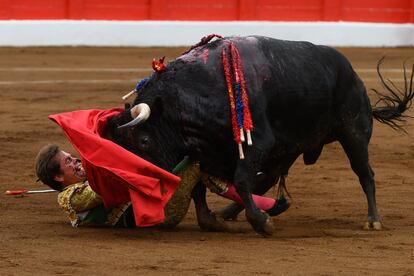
298, 88
294, 85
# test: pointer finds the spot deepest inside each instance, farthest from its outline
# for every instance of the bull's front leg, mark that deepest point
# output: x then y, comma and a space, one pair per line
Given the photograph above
206, 219
244, 180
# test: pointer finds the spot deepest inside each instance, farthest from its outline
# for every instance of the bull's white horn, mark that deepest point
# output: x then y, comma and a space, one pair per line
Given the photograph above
143, 110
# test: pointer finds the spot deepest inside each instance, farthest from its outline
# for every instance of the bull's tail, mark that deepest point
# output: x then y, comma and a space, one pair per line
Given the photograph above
393, 106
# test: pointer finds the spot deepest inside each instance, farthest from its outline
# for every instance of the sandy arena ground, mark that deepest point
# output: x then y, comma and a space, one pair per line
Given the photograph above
319, 235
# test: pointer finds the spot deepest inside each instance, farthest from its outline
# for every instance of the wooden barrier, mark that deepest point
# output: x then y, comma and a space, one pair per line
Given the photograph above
387, 11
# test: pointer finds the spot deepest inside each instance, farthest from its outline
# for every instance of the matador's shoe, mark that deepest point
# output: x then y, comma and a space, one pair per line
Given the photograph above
281, 205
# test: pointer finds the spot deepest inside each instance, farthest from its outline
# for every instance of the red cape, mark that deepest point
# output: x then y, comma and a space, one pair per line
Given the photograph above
116, 174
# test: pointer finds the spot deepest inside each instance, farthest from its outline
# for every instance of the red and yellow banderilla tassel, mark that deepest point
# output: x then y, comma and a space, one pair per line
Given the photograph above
236, 133
247, 118
239, 102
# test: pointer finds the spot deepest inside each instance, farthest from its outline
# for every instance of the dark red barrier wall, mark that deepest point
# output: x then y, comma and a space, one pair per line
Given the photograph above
395, 11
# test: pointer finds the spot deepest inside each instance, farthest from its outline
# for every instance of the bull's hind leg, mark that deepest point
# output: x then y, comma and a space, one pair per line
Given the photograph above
356, 148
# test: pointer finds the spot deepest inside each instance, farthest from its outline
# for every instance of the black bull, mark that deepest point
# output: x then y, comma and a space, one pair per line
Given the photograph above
301, 97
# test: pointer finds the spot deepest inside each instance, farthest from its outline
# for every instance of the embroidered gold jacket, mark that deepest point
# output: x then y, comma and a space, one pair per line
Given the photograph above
85, 207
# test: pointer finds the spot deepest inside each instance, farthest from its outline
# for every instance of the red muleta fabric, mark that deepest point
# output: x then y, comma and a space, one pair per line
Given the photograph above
116, 174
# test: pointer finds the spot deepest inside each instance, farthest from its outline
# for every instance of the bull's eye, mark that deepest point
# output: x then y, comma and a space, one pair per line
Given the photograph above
144, 143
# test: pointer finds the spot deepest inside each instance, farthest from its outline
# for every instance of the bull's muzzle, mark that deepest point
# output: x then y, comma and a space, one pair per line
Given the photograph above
140, 113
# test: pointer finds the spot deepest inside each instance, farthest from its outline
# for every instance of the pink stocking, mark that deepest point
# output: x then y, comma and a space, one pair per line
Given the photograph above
262, 202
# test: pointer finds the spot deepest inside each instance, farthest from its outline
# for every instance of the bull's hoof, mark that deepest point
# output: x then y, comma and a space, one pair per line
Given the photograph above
265, 227
213, 223
268, 228
372, 225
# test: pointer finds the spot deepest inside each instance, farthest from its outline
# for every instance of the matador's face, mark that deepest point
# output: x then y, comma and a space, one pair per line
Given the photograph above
71, 170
